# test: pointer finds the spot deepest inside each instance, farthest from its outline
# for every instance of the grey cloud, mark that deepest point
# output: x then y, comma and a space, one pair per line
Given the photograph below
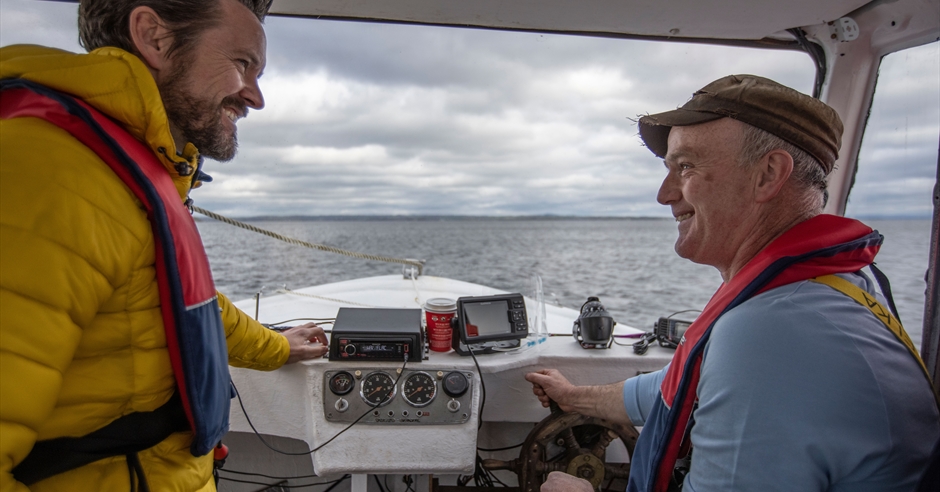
391, 119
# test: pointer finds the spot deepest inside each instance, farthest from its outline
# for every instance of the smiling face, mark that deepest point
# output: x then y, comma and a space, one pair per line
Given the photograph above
214, 84
710, 193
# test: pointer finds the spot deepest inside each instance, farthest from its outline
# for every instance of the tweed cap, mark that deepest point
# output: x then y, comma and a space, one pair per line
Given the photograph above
804, 121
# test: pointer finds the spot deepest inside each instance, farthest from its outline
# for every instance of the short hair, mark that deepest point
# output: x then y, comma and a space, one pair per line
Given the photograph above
107, 22
807, 171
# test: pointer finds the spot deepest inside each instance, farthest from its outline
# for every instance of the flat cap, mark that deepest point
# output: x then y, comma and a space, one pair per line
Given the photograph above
804, 121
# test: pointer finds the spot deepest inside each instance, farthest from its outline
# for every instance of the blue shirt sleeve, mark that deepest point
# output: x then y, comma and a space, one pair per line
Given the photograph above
639, 394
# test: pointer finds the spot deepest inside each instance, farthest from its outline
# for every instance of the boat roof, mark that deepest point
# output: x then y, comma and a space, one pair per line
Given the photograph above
674, 19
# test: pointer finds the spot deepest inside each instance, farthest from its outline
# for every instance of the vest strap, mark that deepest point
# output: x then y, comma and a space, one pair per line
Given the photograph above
125, 436
883, 315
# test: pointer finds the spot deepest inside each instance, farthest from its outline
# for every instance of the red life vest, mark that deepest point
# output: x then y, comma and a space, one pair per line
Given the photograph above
188, 300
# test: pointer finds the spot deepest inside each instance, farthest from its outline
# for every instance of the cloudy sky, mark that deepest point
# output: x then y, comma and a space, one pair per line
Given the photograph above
372, 119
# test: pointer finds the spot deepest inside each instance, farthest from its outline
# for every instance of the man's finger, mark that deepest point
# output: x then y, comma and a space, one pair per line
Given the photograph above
535, 377
316, 333
308, 352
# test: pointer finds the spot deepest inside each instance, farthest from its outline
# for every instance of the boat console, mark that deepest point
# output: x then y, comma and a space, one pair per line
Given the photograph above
431, 417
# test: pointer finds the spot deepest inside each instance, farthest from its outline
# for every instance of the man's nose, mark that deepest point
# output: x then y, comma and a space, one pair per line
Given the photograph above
252, 95
668, 191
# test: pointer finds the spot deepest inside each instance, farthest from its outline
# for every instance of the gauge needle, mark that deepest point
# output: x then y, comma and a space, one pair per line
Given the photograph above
376, 391
416, 390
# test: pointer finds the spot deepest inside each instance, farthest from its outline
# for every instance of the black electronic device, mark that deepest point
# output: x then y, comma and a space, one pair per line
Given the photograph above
669, 332
486, 324
594, 328
377, 334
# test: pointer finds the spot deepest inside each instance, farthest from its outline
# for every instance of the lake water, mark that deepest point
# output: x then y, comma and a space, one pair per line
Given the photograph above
628, 263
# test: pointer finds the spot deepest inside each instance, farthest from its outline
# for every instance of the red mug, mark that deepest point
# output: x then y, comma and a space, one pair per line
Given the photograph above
437, 313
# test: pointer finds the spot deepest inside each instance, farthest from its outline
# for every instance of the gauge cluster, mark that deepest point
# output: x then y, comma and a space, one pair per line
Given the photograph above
417, 397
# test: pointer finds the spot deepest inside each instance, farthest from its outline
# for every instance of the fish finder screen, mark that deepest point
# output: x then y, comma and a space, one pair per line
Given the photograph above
487, 318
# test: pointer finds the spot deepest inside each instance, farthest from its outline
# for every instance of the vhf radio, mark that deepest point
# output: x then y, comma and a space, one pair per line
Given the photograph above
379, 334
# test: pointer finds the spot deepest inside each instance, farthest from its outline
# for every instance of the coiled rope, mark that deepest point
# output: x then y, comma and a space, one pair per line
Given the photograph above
322, 247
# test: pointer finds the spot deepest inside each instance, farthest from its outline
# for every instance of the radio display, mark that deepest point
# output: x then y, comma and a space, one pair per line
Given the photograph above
379, 348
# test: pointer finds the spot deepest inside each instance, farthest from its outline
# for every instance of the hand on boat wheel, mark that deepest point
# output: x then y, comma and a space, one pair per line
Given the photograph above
550, 386
306, 341
570, 443
562, 482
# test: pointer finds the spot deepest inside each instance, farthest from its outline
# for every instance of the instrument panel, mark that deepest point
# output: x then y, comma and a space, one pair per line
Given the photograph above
396, 397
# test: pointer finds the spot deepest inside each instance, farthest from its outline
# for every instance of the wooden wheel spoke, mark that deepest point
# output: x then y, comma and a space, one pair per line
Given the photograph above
571, 442
548, 467
600, 447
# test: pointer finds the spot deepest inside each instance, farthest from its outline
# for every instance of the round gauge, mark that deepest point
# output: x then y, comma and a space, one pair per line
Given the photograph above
419, 389
378, 388
455, 384
341, 383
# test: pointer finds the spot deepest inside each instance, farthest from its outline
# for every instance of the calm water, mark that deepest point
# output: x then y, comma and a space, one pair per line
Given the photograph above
629, 263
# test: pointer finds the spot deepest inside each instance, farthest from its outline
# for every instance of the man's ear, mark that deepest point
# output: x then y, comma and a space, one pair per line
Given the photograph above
151, 38
773, 171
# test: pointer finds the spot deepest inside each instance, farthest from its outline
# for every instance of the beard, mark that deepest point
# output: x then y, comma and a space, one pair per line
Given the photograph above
199, 120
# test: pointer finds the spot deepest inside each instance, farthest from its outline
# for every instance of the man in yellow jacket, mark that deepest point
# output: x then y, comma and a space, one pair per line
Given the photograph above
82, 338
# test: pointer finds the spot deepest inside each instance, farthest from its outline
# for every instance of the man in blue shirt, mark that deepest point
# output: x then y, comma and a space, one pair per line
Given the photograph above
794, 377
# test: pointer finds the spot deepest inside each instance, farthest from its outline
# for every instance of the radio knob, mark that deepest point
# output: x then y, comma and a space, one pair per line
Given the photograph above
350, 350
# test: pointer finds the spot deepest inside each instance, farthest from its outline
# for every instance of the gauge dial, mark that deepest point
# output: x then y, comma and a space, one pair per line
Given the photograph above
455, 384
341, 383
419, 389
378, 388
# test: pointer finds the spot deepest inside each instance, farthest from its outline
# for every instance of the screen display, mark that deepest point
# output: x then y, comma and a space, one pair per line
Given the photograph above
379, 349
487, 318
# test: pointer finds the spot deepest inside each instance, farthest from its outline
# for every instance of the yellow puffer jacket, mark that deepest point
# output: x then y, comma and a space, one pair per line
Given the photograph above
81, 335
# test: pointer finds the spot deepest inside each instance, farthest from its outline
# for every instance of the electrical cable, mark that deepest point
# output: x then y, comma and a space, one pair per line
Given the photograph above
685, 311
493, 450
315, 320
623, 344
408, 481
482, 386
281, 329
377, 482
267, 476
480, 473
332, 483
386, 398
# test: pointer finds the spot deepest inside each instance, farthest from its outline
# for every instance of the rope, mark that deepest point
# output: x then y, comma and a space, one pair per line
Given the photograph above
322, 247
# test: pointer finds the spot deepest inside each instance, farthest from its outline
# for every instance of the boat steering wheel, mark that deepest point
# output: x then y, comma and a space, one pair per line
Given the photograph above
572, 443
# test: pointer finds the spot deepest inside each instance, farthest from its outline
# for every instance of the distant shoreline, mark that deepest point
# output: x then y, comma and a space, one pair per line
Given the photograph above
406, 218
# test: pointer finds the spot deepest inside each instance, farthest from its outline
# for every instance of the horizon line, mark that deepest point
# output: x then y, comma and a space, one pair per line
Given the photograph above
504, 217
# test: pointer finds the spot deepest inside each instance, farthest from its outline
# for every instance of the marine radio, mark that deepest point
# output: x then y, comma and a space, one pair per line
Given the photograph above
377, 334
486, 324
669, 332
